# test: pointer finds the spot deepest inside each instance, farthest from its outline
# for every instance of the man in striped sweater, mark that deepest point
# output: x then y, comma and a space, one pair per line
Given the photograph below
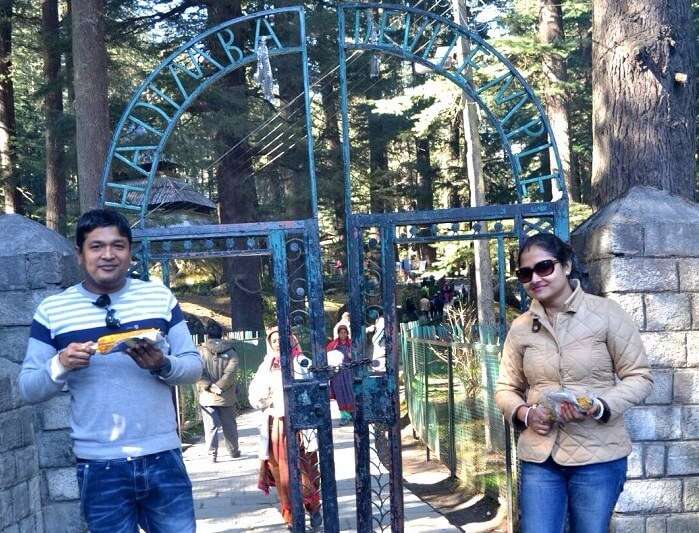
129, 465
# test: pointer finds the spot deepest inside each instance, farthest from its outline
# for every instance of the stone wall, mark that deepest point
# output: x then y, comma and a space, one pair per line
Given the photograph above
643, 251
38, 487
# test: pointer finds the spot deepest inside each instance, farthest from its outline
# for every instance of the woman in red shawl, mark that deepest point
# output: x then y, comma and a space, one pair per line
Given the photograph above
266, 392
341, 384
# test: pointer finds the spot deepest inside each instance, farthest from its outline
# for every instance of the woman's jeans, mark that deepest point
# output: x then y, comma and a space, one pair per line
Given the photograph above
585, 494
152, 491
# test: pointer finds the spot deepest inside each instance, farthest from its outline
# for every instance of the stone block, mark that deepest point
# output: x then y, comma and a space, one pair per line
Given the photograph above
633, 305
20, 501
662, 387
28, 525
55, 448
683, 523
18, 307
9, 389
8, 470
683, 458
614, 239
6, 510
693, 347
654, 460
27, 463
634, 468
14, 528
44, 269
686, 388
35, 494
690, 422
13, 273
667, 311
665, 349
55, 413
656, 524
654, 423
627, 524
689, 274
695, 311
671, 239
12, 434
63, 517
72, 273
62, 484
691, 494
13, 343
651, 496
640, 274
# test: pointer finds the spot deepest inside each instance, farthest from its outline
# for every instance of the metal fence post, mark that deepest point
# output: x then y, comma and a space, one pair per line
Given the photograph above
450, 407
427, 402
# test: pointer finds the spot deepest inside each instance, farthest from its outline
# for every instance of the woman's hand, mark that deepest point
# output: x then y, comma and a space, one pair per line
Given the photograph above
570, 413
539, 418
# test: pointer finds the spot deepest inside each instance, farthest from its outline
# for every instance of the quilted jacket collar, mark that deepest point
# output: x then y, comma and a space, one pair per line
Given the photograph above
571, 305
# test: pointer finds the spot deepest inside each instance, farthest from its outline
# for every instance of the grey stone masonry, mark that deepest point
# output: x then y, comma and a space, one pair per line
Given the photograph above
642, 251
38, 487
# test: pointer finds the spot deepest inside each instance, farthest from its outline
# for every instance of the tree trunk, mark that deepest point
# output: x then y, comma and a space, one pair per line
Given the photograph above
380, 183
474, 167
237, 191
556, 98
425, 194
91, 109
642, 98
53, 109
7, 112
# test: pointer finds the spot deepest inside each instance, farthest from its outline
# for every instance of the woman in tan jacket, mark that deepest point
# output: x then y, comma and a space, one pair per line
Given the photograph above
584, 344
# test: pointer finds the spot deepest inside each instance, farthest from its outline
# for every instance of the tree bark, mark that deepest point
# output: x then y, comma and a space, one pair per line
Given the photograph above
425, 194
7, 112
474, 167
642, 98
53, 109
237, 191
556, 97
91, 109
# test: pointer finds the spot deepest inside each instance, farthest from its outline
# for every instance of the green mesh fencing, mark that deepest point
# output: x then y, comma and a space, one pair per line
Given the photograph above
449, 378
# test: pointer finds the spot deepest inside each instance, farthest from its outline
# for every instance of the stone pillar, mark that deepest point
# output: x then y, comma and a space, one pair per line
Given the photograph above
642, 250
38, 487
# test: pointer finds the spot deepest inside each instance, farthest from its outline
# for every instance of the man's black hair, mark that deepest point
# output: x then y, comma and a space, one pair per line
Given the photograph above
101, 218
213, 329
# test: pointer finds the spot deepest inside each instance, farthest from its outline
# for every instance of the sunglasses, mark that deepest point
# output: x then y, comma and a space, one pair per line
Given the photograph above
110, 320
542, 269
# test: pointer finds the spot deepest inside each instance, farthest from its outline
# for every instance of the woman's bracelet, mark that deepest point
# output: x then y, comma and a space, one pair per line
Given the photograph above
526, 415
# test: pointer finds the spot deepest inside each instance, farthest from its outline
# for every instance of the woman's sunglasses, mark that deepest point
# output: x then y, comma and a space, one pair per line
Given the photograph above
542, 269
110, 320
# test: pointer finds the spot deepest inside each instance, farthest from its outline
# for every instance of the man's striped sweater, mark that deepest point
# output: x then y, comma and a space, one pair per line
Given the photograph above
117, 408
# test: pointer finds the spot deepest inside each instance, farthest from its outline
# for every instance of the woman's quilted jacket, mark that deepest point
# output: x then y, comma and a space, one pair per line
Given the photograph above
594, 346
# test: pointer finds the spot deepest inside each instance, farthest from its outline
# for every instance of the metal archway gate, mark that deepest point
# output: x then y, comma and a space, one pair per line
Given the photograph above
413, 35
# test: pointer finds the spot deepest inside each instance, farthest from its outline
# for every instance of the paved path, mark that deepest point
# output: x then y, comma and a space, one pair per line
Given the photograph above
227, 499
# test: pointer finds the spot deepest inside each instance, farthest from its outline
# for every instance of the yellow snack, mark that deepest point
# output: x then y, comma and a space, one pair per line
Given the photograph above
584, 402
106, 343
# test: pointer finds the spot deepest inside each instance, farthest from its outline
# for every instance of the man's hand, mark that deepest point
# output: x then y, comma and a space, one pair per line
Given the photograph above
76, 355
146, 355
570, 413
216, 389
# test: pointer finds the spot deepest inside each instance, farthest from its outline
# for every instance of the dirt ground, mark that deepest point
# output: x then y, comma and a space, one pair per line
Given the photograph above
430, 481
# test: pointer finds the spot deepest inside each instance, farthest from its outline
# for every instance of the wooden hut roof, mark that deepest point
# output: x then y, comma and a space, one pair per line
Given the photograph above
167, 192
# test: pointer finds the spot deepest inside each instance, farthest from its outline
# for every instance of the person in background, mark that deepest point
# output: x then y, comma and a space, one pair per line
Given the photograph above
378, 342
217, 391
266, 392
129, 464
424, 305
341, 383
572, 470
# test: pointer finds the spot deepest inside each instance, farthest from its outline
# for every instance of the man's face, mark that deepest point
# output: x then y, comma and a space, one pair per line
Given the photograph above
105, 257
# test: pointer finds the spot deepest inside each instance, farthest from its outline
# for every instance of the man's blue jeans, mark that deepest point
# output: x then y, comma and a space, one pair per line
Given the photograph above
153, 491
585, 494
